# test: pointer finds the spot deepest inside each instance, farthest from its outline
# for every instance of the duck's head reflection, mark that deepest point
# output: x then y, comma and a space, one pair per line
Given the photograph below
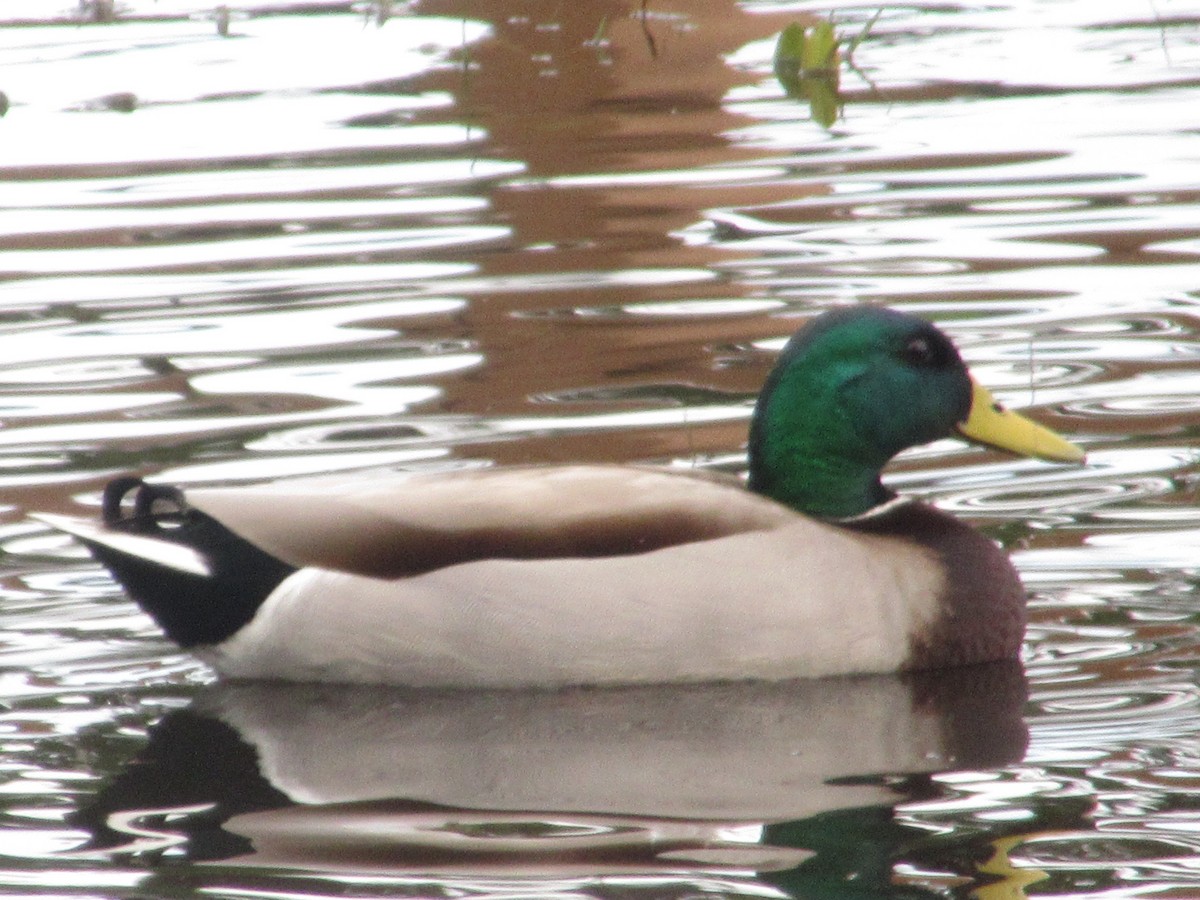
548, 782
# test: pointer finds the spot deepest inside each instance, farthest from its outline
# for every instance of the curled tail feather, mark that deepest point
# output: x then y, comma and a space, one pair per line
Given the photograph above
197, 579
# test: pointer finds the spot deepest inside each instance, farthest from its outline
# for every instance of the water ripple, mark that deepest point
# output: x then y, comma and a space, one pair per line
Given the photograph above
577, 234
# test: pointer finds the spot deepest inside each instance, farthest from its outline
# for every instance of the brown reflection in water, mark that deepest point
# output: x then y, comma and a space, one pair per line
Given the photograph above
589, 120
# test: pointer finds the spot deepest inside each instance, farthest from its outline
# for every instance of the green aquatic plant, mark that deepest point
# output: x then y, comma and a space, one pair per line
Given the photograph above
806, 65
808, 59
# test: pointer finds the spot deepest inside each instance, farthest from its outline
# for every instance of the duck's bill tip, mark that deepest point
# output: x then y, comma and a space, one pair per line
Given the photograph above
991, 424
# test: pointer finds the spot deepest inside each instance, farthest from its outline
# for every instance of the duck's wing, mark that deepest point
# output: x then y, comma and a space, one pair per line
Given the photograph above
393, 527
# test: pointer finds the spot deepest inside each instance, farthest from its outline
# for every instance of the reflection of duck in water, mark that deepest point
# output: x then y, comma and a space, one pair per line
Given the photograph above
542, 783
595, 574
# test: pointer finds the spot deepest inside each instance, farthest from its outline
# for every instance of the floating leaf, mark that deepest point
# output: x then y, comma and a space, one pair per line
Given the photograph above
819, 50
823, 101
789, 49
806, 66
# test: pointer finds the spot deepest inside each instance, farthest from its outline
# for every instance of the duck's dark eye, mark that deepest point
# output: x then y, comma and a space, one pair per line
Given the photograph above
918, 352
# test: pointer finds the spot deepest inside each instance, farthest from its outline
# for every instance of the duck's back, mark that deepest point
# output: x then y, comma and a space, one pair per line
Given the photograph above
389, 527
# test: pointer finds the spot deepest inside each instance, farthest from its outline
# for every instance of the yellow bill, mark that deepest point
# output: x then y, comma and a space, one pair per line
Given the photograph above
990, 423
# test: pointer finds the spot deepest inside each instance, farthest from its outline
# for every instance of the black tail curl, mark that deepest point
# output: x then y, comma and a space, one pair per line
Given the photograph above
141, 516
193, 609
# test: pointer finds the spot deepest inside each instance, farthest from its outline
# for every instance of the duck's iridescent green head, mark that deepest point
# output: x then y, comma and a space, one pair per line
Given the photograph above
852, 389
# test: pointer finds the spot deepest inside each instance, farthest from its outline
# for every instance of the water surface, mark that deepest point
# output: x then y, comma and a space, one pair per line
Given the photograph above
341, 236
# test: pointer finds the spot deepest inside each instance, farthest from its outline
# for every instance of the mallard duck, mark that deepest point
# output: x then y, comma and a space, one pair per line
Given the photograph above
604, 574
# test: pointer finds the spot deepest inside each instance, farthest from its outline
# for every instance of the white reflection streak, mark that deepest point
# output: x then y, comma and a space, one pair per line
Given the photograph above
301, 245
124, 289
640, 419
145, 838
340, 381
253, 332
